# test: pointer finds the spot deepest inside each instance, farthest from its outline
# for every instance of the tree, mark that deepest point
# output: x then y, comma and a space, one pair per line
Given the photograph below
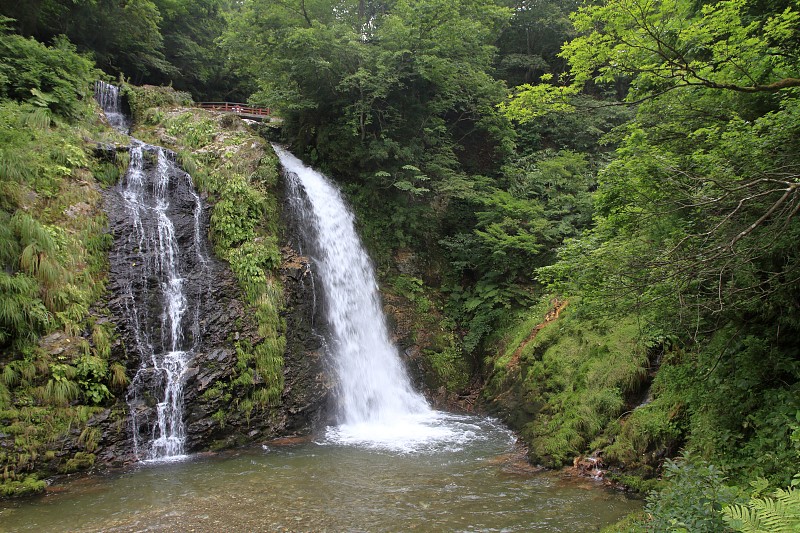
696, 228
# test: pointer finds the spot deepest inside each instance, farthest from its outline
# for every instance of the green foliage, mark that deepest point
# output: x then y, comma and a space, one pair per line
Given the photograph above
193, 131
22, 314
529, 46
450, 366
55, 78
778, 512
142, 99
692, 500
53, 258
236, 213
672, 44
569, 381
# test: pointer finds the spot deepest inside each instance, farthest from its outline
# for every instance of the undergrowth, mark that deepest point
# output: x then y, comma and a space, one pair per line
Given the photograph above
570, 381
55, 359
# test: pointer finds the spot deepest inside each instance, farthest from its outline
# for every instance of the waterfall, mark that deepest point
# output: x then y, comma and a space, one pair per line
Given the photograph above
377, 405
161, 249
156, 302
110, 100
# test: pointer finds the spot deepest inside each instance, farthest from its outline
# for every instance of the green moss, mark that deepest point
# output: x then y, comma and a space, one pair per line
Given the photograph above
214, 392
25, 486
79, 461
219, 417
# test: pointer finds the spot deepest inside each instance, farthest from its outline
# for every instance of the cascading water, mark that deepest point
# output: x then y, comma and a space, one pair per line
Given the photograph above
163, 350
156, 195
110, 100
377, 405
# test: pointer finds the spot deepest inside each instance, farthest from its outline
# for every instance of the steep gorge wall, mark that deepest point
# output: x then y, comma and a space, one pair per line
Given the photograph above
225, 393
259, 373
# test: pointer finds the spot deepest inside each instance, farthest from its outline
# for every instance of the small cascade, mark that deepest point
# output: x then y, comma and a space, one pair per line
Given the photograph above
377, 405
156, 301
156, 259
110, 100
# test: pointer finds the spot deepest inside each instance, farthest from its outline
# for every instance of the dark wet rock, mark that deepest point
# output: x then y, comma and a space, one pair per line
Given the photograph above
212, 414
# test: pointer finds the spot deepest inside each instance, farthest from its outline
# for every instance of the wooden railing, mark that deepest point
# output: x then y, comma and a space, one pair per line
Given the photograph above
240, 109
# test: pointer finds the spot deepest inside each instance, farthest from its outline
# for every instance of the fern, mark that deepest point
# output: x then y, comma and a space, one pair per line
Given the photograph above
777, 513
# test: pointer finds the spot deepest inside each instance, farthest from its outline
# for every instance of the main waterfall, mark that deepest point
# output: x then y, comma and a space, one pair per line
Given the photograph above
376, 404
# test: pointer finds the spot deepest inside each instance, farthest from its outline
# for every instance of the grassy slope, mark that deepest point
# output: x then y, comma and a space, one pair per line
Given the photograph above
55, 368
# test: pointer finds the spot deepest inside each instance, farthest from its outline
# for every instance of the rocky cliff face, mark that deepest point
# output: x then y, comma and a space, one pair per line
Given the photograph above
221, 319
305, 387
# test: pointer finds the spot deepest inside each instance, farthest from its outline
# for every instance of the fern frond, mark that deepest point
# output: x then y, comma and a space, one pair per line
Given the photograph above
778, 513
741, 518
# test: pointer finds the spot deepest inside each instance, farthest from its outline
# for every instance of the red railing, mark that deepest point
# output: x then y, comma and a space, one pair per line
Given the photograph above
233, 107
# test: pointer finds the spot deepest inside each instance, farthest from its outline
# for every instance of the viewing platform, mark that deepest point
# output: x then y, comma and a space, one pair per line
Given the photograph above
243, 110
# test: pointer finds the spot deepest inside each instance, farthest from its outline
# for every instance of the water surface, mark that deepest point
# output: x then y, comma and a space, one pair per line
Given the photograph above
477, 485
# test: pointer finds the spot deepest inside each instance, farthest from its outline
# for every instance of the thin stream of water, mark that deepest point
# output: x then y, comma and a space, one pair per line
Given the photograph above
156, 301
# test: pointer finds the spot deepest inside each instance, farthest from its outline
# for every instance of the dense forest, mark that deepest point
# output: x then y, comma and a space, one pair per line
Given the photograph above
590, 210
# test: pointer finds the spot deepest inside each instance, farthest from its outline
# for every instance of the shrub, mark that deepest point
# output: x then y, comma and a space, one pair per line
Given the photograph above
692, 499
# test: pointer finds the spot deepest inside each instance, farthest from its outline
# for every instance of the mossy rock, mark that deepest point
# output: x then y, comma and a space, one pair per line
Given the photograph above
80, 461
25, 487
